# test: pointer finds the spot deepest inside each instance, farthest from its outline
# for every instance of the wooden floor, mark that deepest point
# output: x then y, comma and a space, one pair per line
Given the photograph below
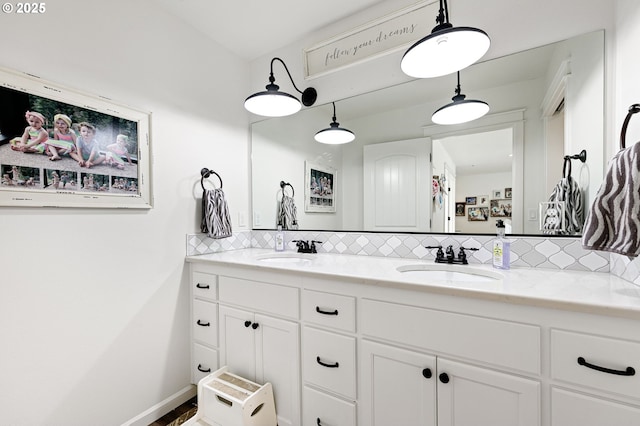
176, 413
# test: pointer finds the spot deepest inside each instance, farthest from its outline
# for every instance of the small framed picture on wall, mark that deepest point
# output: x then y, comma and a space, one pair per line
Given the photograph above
471, 201
460, 209
507, 193
496, 194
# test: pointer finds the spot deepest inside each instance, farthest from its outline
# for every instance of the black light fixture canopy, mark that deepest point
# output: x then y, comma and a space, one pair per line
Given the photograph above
446, 50
461, 110
274, 103
334, 134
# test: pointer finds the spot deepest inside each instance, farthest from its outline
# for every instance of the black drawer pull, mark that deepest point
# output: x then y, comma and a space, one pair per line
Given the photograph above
318, 422
208, 370
203, 324
444, 378
336, 365
320, 311
247, 323
630, 371
203, 286
427, 373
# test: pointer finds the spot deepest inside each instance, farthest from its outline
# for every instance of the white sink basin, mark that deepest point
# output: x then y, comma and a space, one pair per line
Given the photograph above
446, 272
285, 257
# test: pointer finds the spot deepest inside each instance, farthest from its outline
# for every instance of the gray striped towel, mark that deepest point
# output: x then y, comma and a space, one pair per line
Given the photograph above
216, 222
568, 190
613, 221
287, 213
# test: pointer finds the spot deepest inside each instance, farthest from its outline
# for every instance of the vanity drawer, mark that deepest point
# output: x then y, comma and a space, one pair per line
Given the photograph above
205, 322
597, 352
204, 362
503, 343
320, 408
263, 297
329, 310
204, 286
329, 361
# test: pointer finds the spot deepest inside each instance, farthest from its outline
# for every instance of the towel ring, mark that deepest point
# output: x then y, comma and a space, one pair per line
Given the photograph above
283, 184
633, 109
205, 173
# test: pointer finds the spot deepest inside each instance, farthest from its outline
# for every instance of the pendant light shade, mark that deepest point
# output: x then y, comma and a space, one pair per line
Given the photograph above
274, 103
334, 134
460, 110
446, 50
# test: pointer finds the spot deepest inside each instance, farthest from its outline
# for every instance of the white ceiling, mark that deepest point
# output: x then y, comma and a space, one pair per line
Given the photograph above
255, 29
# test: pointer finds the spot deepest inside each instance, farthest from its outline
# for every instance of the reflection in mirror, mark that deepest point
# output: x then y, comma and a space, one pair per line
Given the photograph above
545, 103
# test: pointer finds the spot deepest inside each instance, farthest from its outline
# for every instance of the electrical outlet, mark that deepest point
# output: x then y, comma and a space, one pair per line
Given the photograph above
256, 219
242, 219
533, 214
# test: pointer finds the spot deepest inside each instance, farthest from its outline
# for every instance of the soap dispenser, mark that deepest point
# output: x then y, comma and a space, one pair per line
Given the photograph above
501, 248
279, 239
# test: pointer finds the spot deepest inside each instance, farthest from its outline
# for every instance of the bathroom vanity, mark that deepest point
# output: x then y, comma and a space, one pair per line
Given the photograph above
359, 340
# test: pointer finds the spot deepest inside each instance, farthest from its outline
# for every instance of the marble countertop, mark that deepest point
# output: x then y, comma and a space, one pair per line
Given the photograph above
591, 292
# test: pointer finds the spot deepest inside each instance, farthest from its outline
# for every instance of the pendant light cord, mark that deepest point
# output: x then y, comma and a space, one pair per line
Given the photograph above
443, 16
458, 89
334, 111
272, 79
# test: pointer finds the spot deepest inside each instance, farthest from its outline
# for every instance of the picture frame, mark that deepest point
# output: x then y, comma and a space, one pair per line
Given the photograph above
471, 201
119, 175
477, 214
496, 194
507, 193
483, 200
500, 208
320, 188
551, 216
460, 207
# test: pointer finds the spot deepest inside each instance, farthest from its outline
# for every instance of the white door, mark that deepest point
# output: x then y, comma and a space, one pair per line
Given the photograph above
237, 342
472, 396
397, 186
278, 362
398, 387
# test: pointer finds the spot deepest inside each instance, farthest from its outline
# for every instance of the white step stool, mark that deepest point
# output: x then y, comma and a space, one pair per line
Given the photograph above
225, 399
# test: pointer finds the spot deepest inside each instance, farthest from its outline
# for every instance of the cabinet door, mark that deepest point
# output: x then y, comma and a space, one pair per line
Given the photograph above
572, 408
472, 396
278, 362
237, 342
397, 386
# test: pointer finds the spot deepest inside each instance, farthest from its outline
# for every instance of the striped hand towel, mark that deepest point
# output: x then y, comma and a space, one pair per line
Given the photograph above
287, 213
216, 222
613, 221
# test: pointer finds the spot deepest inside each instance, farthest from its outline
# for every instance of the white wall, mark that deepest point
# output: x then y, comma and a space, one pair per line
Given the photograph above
98, 334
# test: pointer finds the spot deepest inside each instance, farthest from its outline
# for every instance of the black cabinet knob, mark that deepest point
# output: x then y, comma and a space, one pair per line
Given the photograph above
247, 323
427, 373
255, 325
444, 377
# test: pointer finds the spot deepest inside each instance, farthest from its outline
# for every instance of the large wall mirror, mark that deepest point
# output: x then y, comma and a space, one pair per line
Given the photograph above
546, 103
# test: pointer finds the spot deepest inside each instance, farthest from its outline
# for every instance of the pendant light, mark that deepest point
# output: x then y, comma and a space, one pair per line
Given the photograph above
334, 135
460, 110
274, 103
446, 50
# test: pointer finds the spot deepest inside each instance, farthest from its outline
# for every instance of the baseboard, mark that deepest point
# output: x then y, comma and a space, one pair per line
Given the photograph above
163, 407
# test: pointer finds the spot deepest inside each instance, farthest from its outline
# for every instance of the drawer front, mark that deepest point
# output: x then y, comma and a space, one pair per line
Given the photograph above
204, 286
258, 296
597, 352
205, 322
502, 343
204, 362
572, 408
329, 310
329, 361
322, 409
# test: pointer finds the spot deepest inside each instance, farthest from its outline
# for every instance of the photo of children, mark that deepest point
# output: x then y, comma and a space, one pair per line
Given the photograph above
77, 139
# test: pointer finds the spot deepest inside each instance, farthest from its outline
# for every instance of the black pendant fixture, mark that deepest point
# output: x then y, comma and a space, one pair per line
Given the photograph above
334, 134
461, 110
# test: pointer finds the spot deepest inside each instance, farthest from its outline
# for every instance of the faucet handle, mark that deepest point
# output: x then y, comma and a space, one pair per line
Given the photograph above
313, 245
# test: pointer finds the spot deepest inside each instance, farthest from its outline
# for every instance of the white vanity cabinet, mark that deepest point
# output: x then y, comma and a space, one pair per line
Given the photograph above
428, 389
260, 345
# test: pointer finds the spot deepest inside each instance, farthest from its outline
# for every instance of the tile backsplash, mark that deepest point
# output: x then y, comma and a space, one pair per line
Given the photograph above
532, 252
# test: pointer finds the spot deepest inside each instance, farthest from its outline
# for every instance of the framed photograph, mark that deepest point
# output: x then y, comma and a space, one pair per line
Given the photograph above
507, 193
460, 209
477, 214
496, 194
500, 208
552, 215
471, 201
63, 148
320, 188
483, 200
